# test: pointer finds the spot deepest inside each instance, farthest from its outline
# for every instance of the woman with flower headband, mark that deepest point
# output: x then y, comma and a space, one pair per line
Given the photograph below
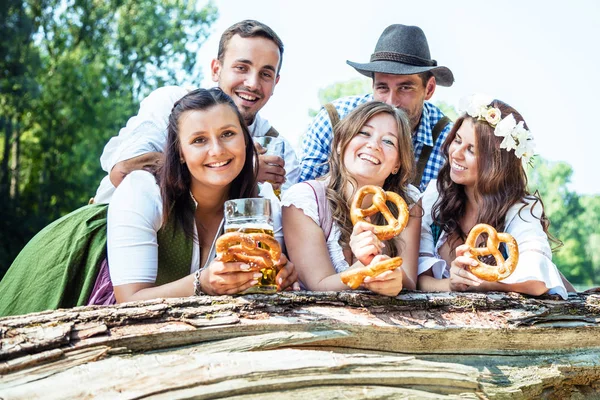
373, 146
483, 181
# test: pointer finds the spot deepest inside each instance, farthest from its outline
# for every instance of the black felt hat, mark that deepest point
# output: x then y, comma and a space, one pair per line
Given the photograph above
403, 50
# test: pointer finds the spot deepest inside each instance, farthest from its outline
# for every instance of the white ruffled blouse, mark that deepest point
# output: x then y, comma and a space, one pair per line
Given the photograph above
535, 256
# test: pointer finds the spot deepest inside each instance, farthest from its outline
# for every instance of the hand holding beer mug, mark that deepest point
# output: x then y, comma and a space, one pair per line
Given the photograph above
252, 217
271, 161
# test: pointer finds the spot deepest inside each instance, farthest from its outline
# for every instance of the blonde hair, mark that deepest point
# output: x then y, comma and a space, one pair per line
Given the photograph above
339, 177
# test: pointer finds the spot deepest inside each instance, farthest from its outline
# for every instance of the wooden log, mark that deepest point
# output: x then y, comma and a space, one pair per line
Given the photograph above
322, 345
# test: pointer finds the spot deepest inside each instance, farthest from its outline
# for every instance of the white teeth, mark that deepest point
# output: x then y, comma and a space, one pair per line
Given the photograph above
246, 97
367, 157
458, 167
218, 164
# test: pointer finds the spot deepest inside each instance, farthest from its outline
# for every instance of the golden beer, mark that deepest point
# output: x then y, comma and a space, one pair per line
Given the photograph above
276, 191
267, 283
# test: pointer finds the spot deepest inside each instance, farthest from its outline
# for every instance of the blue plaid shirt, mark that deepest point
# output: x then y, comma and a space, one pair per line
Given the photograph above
316, 144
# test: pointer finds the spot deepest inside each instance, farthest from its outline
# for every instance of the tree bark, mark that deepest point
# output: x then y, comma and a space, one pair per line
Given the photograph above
6, 127
15, 167
309, 345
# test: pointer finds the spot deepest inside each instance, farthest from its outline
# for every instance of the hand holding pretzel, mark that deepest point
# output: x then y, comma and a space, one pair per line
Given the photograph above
243, 247
503, 268
355, 277
395, 225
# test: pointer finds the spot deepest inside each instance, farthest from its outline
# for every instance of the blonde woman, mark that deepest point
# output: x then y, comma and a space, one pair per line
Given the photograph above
372, 146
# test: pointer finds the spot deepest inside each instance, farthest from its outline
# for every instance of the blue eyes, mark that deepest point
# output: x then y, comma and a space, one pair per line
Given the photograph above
386, 141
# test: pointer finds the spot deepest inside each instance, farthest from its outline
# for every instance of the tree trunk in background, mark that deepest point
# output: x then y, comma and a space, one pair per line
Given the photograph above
309, 345
15, 167
5, 127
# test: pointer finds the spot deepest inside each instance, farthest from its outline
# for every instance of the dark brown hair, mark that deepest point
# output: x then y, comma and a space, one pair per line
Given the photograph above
175, 177
339, 176
501, 181
249, 28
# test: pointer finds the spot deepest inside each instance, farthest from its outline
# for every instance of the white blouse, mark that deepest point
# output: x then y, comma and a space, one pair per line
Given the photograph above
135, 217
535, 255
302, 197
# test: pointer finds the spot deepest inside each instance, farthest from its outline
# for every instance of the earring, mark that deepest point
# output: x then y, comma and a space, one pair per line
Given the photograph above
395, 171
181, 160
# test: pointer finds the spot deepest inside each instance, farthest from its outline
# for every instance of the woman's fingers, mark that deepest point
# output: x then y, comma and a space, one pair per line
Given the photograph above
231, 277
287, 276
241, 288
388, 283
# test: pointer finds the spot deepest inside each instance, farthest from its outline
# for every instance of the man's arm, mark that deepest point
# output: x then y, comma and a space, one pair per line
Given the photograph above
140, 142
436, 158
150, 162
316, 147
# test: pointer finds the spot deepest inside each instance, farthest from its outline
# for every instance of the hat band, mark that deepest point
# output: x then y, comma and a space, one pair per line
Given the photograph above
402, 58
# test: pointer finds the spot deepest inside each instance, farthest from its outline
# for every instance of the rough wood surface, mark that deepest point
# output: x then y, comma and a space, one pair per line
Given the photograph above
308, 345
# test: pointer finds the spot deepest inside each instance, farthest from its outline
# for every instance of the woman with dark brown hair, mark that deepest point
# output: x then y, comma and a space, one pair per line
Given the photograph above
372, 146
159, 238
483, 181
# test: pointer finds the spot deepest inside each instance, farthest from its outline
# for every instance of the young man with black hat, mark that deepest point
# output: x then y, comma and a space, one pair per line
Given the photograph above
405, 76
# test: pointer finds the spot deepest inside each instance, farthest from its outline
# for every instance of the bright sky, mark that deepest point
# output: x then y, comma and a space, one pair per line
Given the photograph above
539, 56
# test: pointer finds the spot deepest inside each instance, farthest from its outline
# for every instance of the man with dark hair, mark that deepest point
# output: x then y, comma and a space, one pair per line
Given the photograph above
404, 76
247, 69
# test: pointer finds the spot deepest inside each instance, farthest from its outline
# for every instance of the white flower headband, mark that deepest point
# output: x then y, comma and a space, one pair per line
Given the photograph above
516, 137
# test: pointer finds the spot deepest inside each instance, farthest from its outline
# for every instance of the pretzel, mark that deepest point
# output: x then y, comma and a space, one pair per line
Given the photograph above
395, 225
243, 247
503, 268
355, 277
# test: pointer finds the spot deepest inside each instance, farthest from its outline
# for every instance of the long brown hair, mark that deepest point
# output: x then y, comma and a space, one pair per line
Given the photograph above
339, 177
501, 181
175, 178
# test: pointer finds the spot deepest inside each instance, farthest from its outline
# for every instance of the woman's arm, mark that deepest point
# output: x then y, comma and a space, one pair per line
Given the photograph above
427, 283
409, 246
306, 247
217, 279
461, 279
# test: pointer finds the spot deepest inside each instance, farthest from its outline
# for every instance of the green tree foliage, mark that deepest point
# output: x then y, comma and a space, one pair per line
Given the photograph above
574, 219
71, 74
342, 89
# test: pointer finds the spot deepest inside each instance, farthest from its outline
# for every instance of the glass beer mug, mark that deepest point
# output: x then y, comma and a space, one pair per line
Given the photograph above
275, 147
253, 216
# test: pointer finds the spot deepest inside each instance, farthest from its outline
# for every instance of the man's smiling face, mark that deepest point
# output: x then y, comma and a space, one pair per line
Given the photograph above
248, 73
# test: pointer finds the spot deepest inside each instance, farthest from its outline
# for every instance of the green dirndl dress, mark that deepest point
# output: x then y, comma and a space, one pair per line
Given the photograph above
59, 266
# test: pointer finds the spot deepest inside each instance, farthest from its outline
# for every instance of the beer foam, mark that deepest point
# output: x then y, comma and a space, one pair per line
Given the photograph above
248, 225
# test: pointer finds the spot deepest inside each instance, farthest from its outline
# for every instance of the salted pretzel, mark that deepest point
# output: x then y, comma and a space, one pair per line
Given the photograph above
395, 225
355, 277
503, 268
243, 247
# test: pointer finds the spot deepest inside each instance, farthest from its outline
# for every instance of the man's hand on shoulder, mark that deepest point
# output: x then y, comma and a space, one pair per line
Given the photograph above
148, 162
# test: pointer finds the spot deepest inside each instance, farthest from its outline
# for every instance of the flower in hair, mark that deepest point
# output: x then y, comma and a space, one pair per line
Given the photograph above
515, 136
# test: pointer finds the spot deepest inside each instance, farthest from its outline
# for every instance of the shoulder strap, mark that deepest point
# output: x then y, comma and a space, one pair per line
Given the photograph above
272, 132
334, 117
325, 220
426, 151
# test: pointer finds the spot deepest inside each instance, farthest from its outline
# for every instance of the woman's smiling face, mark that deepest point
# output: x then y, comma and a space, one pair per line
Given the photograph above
462, 155
212, 146
372, 154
